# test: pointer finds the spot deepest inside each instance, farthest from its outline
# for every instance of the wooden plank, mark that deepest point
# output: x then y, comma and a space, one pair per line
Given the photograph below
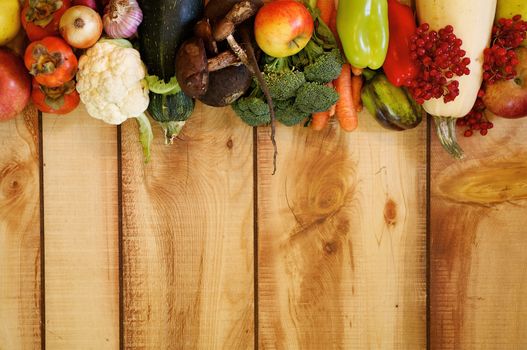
188, 236
341, 261
20, 295
478, 242
81, 232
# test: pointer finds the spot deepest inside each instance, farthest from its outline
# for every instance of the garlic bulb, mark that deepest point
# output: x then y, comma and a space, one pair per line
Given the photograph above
121, 18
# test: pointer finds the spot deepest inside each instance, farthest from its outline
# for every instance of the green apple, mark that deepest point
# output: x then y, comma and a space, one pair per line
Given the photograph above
511, 8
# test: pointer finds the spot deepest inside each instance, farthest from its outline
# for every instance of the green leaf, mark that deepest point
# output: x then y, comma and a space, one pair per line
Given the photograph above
145, 134
159, 86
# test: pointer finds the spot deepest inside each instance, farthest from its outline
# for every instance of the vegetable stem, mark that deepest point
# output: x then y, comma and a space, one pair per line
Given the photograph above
172, 130
446, 132
145, 134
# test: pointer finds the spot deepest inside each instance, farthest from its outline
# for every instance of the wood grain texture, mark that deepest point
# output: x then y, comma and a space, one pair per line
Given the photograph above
478, 242
20, 233
188, 236
342, 239
81, 232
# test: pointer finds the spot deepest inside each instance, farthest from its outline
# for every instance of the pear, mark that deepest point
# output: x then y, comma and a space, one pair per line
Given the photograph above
9, 20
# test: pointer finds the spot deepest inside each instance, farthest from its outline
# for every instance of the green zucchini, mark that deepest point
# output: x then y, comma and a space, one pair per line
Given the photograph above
166, 24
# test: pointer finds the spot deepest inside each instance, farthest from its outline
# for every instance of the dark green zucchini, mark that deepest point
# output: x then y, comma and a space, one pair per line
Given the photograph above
166, 24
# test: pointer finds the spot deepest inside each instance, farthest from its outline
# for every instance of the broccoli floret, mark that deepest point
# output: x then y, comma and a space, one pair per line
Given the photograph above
314, 97
252, 110
287, 114
325, 68
281, 80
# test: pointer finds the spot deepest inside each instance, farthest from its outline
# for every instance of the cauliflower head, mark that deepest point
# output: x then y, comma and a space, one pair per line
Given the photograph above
110, 82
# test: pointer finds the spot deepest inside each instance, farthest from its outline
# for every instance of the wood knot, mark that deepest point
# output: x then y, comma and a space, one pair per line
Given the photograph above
12, 179
343, 226
485, 183
230, 144
331, 247
390, 212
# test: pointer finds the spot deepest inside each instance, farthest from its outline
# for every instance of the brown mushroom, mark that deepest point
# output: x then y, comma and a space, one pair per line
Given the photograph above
193, 67
227, 85
225, 27
203, 30
216, 9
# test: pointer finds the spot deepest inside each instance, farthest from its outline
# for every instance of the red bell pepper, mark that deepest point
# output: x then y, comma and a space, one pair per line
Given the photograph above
399, 67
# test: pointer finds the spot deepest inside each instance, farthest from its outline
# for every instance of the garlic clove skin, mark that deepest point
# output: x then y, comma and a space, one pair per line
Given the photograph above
122, 18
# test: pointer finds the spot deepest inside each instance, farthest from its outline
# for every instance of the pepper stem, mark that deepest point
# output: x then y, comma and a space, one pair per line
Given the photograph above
446, 132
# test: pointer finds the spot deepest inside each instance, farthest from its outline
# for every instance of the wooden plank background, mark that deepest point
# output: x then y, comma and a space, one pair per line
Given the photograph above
342, 239
478, 232
20, 233
80, 232
203, 248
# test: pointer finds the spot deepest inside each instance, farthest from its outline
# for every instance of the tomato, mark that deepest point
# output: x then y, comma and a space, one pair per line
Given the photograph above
40, 18
51, 61
57, 100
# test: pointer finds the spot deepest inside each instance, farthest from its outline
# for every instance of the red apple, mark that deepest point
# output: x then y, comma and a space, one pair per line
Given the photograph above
508, 98
283, 28
15, 85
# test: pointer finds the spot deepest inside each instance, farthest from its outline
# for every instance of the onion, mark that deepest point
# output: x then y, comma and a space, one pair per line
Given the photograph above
121, 18
80, 26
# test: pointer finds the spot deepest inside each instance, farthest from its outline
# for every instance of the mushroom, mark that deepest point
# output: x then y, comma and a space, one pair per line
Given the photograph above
224, 28
203, 30
227, 85
193, 68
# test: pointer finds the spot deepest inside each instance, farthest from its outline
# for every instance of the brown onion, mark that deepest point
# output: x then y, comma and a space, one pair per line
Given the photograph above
80, 26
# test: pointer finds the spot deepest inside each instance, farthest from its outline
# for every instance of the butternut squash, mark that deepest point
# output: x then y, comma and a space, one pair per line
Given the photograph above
472, 21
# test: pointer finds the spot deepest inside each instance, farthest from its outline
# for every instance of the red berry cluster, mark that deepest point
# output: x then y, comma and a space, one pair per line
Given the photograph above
440, 57
509, 32
500, 58
500, 61
476, 120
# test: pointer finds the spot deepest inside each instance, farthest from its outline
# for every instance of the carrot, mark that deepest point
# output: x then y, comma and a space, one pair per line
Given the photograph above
346, 112
333, 25
326, 7
356, 87
356, 71
319, 120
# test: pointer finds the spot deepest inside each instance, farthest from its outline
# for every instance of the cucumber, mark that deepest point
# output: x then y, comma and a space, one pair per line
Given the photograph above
166, 24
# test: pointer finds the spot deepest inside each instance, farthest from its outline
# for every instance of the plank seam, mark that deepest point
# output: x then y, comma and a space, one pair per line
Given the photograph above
255, 235
42, 240
428, 238
120, 235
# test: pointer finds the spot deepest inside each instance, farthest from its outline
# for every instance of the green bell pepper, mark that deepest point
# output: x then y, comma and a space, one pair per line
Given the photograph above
364, 32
